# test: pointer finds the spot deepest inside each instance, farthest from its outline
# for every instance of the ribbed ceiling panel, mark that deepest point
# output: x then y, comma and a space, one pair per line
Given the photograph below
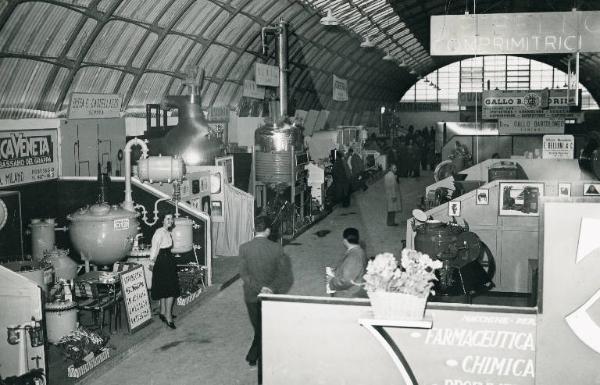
193, 57
145, 50
226, 94
150, 88
198, 16
142, 10
98, 79
242, 67
212, 59
170, 53
225, 66
105, 5
81, 38
116, 42
20, 89
48, 102
213, 29
171, 12
209, 93
234, 29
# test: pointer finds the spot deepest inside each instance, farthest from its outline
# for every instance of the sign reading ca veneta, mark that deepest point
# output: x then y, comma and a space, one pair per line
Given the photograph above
515, 33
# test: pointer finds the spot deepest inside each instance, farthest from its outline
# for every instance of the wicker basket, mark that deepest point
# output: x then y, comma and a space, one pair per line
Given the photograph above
397, 306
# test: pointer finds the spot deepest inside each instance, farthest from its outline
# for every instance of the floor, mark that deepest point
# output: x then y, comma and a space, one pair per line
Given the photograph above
212, 339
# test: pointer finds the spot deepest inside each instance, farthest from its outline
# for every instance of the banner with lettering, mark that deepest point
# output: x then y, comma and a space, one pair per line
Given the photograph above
498, 104
515, 33
28, 156
340, 89
252, 90
266, 75
94, 106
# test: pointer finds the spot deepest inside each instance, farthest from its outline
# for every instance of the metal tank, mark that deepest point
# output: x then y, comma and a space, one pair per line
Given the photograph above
192, 138
275, 147
42, 237
103, 234
182, 235
161, 168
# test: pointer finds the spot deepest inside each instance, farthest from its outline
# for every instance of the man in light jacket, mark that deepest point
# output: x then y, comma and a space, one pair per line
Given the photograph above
392, 194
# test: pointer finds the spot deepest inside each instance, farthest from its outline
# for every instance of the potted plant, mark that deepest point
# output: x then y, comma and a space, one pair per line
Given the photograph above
400, 291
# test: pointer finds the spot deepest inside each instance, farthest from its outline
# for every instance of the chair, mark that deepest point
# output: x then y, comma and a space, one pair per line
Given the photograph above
107, 297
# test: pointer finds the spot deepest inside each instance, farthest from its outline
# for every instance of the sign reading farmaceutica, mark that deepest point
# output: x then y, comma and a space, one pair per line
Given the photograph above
515, 33
28, 156
94, 106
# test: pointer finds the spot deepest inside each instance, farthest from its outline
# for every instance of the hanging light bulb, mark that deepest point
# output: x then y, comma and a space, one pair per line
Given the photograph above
329, 20
426, 81
367, 43
412, 71
402, 64
388, 57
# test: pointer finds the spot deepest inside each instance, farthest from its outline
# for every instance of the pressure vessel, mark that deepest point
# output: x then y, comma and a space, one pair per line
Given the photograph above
182, 235
42, 237
161, 168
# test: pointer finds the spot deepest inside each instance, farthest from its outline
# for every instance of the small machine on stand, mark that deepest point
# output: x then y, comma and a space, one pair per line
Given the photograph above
461, 252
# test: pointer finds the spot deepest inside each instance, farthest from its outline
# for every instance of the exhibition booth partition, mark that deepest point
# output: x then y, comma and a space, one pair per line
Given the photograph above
322, 340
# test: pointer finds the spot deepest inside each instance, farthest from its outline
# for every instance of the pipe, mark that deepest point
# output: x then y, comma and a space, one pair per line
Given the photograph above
282, 39
128, 203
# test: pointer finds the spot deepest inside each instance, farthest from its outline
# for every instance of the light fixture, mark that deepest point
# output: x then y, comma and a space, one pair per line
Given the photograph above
329, 20
402, 64
367, 43
412, 71
427, 81
388, 57
419, 77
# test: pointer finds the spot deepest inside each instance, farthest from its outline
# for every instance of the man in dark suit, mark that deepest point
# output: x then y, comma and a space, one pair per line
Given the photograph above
264, 269
348, 275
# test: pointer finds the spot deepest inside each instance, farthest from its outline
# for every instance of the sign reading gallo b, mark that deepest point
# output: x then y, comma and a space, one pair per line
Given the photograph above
498, 104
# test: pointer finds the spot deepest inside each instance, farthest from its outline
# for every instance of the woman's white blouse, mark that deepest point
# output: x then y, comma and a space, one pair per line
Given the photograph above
160, 240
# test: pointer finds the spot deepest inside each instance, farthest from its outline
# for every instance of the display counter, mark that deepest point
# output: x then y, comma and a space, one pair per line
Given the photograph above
321, 340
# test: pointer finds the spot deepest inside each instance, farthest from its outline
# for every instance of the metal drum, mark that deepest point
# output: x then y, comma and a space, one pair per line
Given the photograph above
161, 168
42, 237
103, 234
274, 147
61, 319
182, 235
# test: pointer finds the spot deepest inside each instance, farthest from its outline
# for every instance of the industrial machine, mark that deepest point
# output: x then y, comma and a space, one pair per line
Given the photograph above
461, 251
280, 158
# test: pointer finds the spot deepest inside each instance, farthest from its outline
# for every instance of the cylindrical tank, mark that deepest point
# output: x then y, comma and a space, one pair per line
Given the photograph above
42, 237
182, 235
273, 152
435, 238
64, 267
161, 168
103, 234
61, 319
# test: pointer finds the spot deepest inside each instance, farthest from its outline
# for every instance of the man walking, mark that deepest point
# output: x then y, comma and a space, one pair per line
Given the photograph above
264, 269
392, 195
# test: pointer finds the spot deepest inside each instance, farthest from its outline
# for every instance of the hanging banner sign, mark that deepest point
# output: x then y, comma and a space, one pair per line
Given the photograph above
340, 89
266, 75
28, 156
558, 147
94, 106
251, 90
527, 126
515, 33
500, 104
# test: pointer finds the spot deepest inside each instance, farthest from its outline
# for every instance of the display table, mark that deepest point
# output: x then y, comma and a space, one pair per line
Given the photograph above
377, 328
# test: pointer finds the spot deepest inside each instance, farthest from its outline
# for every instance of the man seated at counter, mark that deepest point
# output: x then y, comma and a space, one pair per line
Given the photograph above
347, 277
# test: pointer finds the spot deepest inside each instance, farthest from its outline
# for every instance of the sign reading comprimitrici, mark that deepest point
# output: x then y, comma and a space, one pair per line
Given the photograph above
28, 156
94, 106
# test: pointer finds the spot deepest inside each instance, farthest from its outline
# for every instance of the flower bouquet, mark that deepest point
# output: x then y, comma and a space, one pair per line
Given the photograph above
400, 292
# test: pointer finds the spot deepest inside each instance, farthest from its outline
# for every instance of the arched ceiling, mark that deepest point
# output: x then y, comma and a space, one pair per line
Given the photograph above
145, 49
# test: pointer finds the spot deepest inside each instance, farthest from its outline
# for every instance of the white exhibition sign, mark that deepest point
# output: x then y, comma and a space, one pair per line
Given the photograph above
135, 296
515, 33
251, 90
266, 75
340, 89
537, 104
526, 126
94, 106
558, 147
28, 156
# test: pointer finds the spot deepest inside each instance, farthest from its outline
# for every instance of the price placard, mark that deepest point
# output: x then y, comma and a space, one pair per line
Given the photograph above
135, 295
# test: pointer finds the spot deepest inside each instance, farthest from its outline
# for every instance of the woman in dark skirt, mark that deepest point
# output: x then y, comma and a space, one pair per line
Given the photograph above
165, 284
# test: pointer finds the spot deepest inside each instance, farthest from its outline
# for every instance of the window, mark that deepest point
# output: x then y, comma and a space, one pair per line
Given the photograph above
489, 72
